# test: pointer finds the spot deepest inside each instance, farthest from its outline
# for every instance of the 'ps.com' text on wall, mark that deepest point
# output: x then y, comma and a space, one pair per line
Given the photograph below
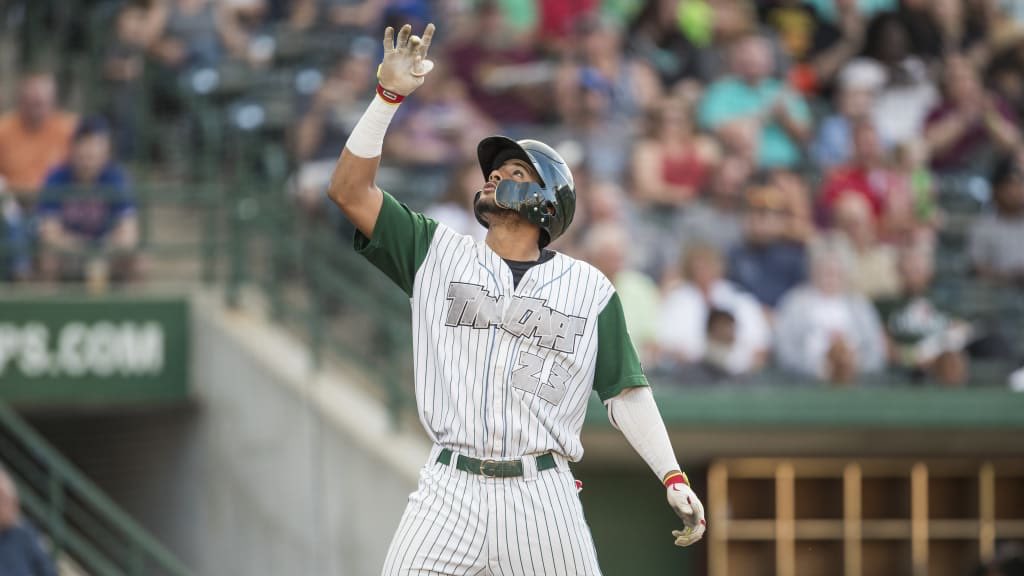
93, 351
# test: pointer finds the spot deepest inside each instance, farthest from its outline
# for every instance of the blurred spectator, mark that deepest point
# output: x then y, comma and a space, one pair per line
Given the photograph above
824, 329
907, 93
15, 262
715, 26
605, 139
656, 35
717, 219
87, 222
606, 203
605, 246
682, 40
996, 239
600, 54
502, 71
21, 548
558, 18
521, 17
438, 128
866, 175
854, 98
455, 208
874, 273
682, 330
911, 211
1006, 73
344, 15
34, 137
196, 33
768, 263
818, 47
754, 113
797, 200
600, 94
325, 123
924, 341
671, 163
970, 122
939, 28
124, 63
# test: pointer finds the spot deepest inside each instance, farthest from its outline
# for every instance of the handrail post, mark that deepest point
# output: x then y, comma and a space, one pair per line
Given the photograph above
208, 245
56, 512
393, 376
238, 241
316, 307
137, 566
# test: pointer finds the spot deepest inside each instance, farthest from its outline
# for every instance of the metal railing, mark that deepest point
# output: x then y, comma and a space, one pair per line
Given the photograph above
316, 285
80, 520
203, 203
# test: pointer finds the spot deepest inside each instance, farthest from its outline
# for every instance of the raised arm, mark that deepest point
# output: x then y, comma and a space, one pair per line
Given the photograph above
403, 70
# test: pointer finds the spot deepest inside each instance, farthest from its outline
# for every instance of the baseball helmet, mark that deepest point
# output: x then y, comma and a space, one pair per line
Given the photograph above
550, 204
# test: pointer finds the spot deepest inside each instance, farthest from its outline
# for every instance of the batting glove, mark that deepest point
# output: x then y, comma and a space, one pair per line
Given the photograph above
405, 63
684, 501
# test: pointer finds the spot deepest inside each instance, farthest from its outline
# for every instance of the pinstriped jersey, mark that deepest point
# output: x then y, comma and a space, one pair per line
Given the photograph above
500, 370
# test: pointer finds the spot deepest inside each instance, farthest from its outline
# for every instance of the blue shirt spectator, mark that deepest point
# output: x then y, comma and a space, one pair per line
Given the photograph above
768, 263
86, 212
754, 113
91, 215
21, 551
768, 271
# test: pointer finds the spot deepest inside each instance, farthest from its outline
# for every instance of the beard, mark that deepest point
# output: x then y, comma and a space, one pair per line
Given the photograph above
488, 209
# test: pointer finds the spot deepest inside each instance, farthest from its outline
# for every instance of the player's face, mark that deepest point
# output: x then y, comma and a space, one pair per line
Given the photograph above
515, 170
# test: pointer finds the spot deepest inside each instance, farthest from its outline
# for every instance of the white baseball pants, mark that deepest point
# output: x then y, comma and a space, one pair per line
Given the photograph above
463, 524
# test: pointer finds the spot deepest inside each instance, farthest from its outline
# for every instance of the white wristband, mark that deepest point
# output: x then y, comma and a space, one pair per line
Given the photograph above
367, 138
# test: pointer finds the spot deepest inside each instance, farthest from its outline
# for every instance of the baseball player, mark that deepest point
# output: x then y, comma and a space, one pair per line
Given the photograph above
509, 340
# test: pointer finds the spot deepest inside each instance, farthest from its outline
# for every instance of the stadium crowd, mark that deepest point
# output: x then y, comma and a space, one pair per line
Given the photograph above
802, 188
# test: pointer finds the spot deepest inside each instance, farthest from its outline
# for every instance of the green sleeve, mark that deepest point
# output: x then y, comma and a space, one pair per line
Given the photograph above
400, 242
618, 366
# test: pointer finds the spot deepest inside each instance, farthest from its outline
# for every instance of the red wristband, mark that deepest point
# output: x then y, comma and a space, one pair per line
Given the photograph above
676, 478
389, 96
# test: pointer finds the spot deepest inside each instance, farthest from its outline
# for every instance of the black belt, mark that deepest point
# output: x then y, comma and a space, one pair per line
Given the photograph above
495, 468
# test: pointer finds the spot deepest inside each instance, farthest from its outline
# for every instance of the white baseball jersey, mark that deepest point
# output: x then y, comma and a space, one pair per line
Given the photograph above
501, 372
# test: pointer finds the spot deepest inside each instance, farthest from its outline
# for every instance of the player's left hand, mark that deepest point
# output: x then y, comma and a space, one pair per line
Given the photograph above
684, 501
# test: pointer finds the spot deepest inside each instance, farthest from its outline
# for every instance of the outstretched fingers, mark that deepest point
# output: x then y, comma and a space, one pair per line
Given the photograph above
428, 36
389, 40
403, 36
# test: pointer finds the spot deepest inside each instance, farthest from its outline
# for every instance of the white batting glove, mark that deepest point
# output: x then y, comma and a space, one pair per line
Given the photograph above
405, 64
684, 501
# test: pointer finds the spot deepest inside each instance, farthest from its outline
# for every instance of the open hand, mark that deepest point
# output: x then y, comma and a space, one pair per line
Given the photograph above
405, 64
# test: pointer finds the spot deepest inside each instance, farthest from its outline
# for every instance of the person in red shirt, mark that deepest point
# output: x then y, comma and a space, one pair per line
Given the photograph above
867, 175
672, 163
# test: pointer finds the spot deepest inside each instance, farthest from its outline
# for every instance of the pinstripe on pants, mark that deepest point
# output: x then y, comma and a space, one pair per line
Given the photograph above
457, 523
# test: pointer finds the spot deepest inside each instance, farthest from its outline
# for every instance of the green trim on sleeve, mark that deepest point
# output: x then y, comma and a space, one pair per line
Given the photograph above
401, 239
618, 365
